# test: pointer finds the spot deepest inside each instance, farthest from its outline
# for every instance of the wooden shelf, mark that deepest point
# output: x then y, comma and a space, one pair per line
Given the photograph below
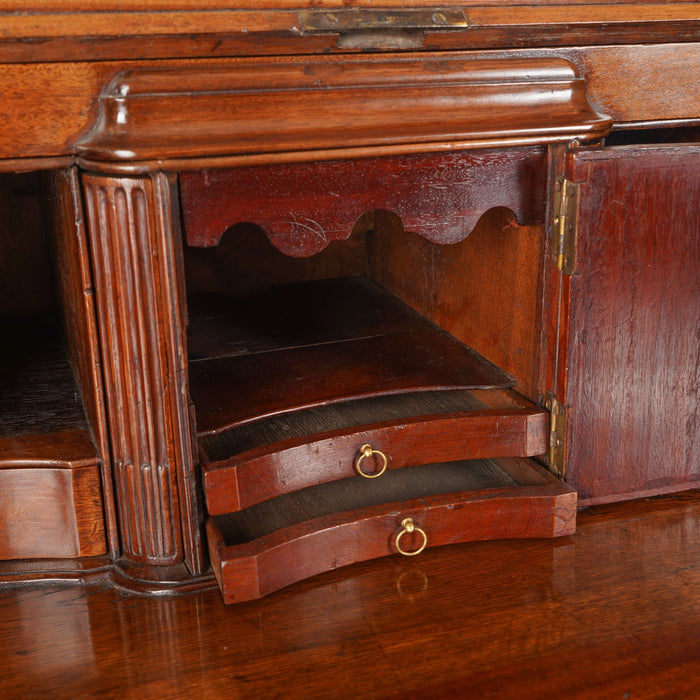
295, 387
43, 420
49, 467
319, 343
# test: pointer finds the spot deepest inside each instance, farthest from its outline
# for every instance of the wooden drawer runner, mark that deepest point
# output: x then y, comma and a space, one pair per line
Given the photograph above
284, 540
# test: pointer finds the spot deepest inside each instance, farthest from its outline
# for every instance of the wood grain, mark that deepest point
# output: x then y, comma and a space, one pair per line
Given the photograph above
663, 7
332, 525
384, 351
42, 424
609, 610
50, 490
633, 354
141, 339
51, 512
304, 207
54, 68
245, 262
486, 291
185, 114
296, 315
108, 30
79, 321
258, 461
54, 104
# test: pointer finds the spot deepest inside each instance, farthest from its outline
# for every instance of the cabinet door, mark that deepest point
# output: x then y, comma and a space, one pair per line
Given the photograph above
634, 322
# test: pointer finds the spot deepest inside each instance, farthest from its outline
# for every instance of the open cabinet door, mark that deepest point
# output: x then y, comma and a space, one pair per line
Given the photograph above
633, 346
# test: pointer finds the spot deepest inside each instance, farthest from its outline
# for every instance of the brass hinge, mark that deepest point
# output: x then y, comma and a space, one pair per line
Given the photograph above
555, 458
566, 198
359, 19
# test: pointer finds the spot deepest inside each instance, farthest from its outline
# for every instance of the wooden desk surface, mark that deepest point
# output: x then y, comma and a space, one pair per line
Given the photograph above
610, 612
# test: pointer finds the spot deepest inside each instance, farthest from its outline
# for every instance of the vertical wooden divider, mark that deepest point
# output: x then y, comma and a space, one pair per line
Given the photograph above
136, 261
75, 282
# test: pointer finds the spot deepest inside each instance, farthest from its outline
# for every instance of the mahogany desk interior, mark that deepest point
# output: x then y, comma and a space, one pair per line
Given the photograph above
118, 158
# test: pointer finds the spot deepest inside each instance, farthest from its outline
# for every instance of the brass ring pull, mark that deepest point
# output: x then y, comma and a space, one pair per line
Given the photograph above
409, 526
366, 452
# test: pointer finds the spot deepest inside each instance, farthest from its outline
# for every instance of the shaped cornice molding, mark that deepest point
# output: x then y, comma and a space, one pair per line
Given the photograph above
281, 110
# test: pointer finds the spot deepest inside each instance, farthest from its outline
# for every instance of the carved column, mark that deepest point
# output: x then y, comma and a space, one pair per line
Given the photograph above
135, 258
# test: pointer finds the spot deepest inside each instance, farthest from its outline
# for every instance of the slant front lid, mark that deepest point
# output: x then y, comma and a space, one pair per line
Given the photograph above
266, 110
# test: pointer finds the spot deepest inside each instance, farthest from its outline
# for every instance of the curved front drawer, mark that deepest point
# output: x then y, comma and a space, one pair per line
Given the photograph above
290, 538
292, 452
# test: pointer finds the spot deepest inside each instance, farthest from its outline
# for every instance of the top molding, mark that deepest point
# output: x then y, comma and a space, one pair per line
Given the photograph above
282, 110
55, 30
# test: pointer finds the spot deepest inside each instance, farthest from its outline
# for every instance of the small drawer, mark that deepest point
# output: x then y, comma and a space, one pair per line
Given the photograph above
51, 504
257, 461
289, 538
51, 513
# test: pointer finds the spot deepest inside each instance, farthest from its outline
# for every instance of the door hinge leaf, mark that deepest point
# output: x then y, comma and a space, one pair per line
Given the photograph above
565, 229
555, 459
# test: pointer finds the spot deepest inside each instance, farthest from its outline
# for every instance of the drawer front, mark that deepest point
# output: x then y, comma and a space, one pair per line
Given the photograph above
283, 467
513, 498
51, 513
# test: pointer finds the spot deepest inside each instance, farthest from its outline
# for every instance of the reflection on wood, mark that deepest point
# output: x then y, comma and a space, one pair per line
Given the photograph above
611, 610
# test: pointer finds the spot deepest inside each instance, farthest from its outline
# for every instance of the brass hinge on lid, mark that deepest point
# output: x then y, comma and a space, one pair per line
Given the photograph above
359, 19
566, 199
555, 459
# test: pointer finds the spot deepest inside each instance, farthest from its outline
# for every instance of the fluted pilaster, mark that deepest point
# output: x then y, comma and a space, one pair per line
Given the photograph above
142, 351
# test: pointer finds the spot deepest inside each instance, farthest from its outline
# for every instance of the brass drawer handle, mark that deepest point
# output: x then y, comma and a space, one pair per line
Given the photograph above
409, 526
366, 452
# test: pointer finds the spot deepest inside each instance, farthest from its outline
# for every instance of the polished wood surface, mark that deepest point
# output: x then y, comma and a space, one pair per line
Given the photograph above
297, 379
360, 107
108, 29
292, 537
51, 513
305, 206
152, 91
79, 321
612, 611
50, 494
289, 383
54, 104
634, 333
257, 461
141, 334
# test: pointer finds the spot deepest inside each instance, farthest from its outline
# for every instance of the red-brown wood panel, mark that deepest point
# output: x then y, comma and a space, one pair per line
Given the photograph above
74, 278
279, 544
486, 290
136, 294
304, 206
249, 476
634, 345
51, 512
